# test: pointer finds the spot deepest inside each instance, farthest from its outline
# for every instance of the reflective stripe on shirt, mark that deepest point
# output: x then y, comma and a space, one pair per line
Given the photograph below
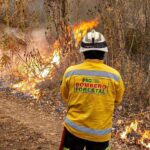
87, 130
92, 73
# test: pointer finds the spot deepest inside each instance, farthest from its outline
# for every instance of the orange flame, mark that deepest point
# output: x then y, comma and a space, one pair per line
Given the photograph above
134, 127
80, 30
28, 87
145, 136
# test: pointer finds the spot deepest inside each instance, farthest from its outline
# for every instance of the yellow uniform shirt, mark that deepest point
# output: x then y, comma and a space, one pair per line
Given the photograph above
91, 90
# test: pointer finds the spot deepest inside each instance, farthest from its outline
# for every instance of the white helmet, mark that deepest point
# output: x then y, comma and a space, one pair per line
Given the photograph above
93, 41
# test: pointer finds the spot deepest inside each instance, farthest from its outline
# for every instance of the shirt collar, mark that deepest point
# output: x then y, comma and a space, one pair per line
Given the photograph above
94, 61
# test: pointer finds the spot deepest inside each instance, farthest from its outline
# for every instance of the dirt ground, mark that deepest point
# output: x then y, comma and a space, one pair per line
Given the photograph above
26, 128
15, 135
26, 125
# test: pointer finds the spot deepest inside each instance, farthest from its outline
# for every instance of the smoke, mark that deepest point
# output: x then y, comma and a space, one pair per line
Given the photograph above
39, 41
25, 41
38, 7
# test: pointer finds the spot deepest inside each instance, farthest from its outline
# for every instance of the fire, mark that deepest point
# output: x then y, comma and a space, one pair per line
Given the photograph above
56, 53
80, 30
129, 129
30, 89
144, 136
45, 72
56, 58
38, 73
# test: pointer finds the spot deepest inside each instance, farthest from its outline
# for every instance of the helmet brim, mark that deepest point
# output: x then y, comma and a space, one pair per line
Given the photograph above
105, 49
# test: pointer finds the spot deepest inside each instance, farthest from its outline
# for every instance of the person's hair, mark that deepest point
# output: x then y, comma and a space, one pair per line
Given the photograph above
93, 54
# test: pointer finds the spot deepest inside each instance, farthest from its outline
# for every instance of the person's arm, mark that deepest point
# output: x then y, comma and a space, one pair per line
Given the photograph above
119, 91
64, 89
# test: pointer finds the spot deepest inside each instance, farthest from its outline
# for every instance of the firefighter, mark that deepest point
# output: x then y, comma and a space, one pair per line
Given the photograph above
91, 90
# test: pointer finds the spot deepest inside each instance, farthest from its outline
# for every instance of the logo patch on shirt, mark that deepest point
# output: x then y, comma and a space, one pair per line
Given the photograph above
91, 85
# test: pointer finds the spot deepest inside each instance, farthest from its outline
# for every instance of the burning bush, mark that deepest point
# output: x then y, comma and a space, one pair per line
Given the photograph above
134, 135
